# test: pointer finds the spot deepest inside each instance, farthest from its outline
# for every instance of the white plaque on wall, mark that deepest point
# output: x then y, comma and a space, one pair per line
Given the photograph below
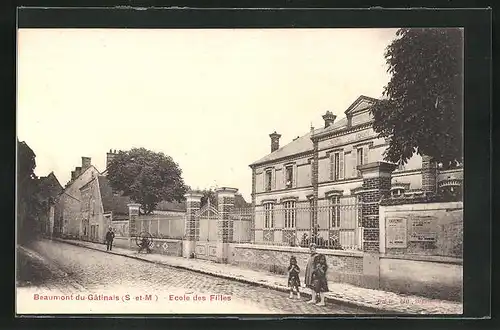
395, 233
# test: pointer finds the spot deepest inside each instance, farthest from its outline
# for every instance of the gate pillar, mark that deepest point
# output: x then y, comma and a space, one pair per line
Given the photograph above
133, 213
192, 228
225, 205
376, 185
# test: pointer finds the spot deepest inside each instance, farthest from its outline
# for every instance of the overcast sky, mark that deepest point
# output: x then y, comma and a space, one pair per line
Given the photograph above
207, 98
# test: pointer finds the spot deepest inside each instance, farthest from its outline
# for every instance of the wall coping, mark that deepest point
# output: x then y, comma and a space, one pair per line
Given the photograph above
296, 249
424, 206
438, 259
172, 240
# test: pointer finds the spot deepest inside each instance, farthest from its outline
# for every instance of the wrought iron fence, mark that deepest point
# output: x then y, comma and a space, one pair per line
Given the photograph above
242, 225
333, 224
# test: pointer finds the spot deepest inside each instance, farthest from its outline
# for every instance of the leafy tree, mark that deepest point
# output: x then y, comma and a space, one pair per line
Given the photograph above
422, 106
209, 194
147, 177
29, 205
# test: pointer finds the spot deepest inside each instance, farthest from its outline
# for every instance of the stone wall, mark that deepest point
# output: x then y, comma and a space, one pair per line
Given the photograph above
167, 247
421, 249
343, 266
434, 278
160, 246
434, 229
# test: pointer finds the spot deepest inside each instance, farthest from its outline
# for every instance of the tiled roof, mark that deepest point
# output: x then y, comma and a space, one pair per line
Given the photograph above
171, 206
118, 204
300, 145
110, 202
50, 186
304, 144
240, 202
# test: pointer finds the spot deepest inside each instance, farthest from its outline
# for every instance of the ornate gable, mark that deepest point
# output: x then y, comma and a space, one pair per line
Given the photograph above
362, 103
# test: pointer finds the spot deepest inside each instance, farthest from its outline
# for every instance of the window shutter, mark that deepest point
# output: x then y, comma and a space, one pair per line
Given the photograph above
347, 165
273, 179
365, 155
332, 166
283, 174
354, 163
295, 175
341, 165
264, 181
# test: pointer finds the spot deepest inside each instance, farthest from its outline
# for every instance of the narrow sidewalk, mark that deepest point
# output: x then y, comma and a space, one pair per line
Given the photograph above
342, 293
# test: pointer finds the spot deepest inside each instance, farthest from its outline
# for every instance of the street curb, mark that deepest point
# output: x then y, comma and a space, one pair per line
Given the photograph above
242, 280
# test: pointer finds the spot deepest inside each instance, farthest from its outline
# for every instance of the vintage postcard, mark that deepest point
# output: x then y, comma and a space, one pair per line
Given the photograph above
239, 171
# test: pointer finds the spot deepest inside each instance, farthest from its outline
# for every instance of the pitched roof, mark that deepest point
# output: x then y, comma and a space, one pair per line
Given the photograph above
304, 143
171, 206
111, 202
240, 202
50, 186
300, 145
118, 203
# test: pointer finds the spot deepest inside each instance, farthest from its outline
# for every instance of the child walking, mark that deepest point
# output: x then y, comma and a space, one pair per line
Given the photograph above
293, 277
320, 284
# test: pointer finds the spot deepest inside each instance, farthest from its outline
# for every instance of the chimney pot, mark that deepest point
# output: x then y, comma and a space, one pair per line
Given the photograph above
329, 118
275, 141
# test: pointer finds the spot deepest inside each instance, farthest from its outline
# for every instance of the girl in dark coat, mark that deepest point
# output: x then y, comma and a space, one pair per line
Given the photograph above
293, 277
308, 279
320, 284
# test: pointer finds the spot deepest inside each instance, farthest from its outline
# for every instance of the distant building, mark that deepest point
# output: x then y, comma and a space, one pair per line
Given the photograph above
68, 209
50, 189
88, 204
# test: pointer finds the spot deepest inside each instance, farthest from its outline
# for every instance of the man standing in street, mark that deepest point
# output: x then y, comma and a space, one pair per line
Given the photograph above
110, 235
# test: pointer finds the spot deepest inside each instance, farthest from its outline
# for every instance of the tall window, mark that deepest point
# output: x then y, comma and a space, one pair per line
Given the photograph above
359, 160
289, 214
269, 215
269, 178
289, 176
336, 166
335, 212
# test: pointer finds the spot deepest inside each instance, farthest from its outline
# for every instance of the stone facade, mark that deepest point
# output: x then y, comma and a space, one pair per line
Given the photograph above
93, 225
68, 215
328, 159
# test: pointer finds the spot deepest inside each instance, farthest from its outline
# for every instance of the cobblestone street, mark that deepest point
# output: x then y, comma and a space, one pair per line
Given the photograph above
93, 273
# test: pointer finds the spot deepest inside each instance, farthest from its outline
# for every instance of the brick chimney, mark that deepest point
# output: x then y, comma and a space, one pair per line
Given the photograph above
78, 171
86, 162
275, 141
329, 118
73, 175
110, 156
